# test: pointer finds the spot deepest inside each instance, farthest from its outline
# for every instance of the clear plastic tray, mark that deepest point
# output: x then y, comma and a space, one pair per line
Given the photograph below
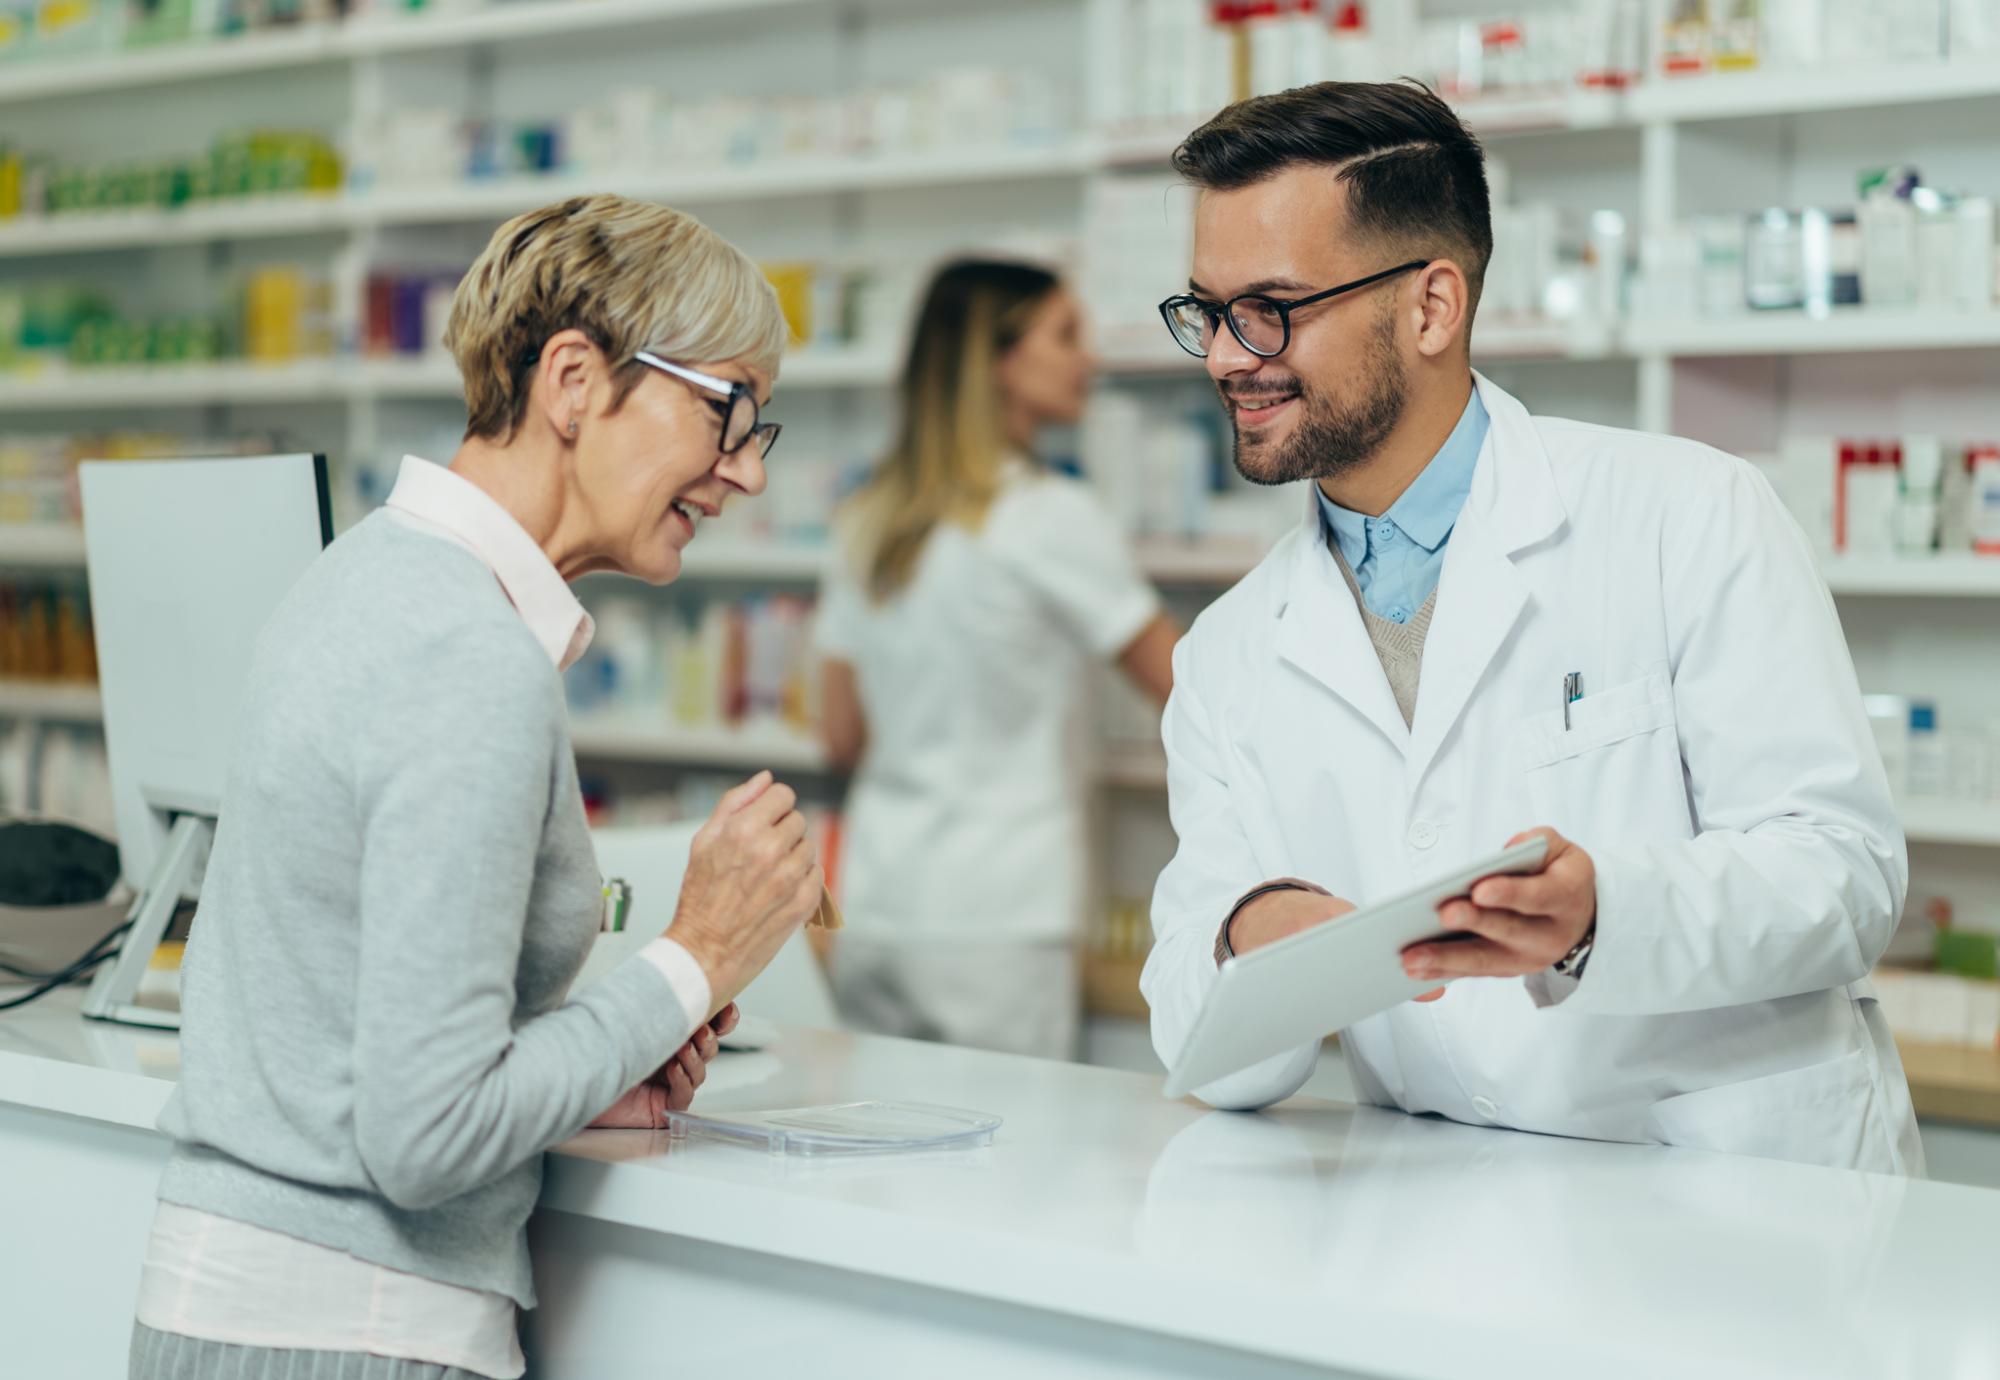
849, 1128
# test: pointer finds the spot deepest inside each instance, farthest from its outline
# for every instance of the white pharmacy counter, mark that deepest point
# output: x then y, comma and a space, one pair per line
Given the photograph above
1105, 1233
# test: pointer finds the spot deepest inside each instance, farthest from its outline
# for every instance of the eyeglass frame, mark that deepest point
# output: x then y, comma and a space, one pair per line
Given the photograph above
1224, 311
731, 390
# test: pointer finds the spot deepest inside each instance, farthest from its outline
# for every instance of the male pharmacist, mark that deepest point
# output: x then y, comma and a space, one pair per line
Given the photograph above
1492, 623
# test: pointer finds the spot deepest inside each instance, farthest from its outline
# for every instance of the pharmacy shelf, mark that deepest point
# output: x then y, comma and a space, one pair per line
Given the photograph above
1210, 562
458, 27
726, 559
789, 177
1950, 1083
1942, 577
51, 702
182, 62
1133, 766
1746, 95
41, 546
252, 218
1543, 112
750, 748
526, 19
172, 385
1851, 330
228, 219
1151, 146
822, 368
195, 385
1970, 822
1504, 339
842, 366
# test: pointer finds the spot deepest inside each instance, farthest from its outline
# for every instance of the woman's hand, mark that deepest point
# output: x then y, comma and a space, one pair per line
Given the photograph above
671, 1087
752, 880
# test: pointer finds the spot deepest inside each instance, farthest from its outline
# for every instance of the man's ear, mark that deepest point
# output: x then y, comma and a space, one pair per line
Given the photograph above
1444, 307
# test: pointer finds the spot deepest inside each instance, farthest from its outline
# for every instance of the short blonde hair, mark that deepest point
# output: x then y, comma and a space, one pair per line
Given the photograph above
630, 275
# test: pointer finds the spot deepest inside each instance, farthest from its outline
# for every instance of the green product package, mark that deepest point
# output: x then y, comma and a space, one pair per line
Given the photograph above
1968, 953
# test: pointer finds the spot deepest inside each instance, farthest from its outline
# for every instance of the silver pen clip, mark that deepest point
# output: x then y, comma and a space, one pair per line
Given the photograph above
1572, 692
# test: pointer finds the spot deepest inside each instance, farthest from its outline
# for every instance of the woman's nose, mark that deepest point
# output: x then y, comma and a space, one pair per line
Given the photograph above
744, 468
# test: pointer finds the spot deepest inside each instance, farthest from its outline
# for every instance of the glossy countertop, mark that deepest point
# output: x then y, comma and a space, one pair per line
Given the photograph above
1353, 1238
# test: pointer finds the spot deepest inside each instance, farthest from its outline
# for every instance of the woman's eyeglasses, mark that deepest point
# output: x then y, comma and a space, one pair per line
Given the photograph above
1262, 325
735, 404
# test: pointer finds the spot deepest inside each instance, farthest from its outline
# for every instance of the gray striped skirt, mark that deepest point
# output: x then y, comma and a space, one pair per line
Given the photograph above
169, 1356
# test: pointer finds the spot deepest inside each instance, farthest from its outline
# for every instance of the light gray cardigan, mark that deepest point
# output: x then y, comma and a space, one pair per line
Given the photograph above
376, 1048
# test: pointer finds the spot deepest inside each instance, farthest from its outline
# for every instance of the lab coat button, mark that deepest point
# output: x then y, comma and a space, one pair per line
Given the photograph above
1423, 834
1486, 1107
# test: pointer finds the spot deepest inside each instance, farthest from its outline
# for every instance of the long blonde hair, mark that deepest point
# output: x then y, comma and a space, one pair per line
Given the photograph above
947, 461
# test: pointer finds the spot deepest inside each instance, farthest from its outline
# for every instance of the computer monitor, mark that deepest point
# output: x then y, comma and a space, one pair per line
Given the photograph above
187, 560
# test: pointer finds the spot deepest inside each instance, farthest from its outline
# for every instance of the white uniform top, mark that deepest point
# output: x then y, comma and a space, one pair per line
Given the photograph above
1719, 770
967, 814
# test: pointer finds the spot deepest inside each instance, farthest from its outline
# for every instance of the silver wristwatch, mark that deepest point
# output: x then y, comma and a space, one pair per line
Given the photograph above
1570, 965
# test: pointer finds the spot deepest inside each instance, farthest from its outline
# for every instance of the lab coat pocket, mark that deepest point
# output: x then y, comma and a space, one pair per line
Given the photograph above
1820, 1114
1614, 772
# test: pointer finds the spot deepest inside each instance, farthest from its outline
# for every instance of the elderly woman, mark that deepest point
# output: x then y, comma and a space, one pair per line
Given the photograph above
380, 1041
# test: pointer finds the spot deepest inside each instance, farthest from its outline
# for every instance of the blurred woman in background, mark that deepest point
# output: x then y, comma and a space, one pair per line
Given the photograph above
971, 589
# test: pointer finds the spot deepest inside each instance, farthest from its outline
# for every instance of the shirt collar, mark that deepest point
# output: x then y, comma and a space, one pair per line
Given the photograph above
1429, 508
453, 507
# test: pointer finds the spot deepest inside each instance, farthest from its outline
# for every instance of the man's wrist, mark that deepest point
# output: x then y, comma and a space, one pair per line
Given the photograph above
1572, 964
1225, 945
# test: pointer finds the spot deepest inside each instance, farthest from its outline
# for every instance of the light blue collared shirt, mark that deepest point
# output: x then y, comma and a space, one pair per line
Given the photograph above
1397, 558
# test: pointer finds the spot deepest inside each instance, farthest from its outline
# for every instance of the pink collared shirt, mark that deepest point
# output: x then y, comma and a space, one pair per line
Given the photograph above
226, 1281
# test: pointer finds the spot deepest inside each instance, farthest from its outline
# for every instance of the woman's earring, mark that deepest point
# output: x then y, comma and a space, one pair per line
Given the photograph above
572, 428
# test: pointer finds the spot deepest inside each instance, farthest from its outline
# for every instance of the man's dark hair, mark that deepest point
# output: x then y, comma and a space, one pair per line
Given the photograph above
1416, 178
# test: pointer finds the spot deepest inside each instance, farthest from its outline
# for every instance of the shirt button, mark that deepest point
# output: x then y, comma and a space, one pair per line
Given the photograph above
1423, 834
1399, 614
1486, 1107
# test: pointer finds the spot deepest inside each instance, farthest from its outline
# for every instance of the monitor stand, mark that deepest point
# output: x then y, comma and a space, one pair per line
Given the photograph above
111, 993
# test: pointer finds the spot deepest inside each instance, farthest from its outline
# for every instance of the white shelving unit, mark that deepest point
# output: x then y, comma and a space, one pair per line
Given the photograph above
50, 702
1738, 96
376, 36
178, 385
1847, 331
776, 562
1946, 577
1975, 823
758, 745
234, 219
331, 381
36, 546
1653, 147
238, 219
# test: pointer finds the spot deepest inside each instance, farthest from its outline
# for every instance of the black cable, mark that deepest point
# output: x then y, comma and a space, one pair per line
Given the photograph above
24, 974
92, 956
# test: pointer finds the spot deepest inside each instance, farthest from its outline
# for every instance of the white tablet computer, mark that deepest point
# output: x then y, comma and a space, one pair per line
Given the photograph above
1310, 984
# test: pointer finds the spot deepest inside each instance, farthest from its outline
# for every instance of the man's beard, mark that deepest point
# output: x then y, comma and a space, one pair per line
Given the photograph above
1329, 440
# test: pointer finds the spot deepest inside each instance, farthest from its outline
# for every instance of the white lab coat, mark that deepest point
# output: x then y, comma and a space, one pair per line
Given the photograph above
1719, 770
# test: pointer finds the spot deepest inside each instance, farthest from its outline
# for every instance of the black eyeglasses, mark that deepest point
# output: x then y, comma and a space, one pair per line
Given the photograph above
739, 411
1262, 325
